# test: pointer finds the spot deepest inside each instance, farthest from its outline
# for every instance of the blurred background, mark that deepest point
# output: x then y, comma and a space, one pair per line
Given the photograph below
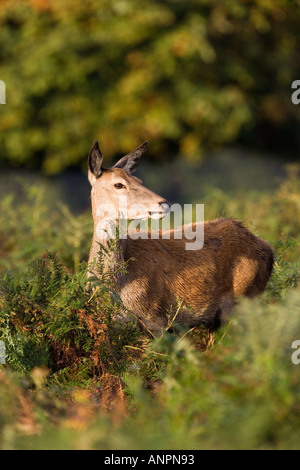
194, 77
208, 83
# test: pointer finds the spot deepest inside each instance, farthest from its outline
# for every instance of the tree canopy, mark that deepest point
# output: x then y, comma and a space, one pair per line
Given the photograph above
188, 75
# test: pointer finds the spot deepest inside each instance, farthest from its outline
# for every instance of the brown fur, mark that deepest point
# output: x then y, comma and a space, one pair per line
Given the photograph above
232, 262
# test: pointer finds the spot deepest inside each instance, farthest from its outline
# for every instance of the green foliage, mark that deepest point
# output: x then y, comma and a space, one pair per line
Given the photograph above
241, 393
185, 74
285, 274
31, 226
50, 317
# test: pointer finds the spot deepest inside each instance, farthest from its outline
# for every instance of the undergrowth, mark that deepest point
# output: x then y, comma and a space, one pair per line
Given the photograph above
78, 376
50, 317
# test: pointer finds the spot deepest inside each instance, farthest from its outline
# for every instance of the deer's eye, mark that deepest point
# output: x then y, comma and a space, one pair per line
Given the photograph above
119, 185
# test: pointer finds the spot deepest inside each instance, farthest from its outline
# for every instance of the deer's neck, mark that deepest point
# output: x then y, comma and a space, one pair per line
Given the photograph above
107, 247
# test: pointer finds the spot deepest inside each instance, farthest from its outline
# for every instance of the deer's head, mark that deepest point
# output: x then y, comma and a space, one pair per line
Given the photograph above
116, 185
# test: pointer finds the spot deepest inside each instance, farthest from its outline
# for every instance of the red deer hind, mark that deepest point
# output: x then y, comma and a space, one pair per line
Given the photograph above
160, 272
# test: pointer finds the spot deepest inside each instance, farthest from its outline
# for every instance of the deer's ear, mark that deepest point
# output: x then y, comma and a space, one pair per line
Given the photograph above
95, 159
131, 161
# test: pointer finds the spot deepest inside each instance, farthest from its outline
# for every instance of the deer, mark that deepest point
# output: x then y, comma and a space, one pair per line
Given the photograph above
160, 272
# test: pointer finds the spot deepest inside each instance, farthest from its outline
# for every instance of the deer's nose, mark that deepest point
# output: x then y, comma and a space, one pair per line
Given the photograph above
165, 205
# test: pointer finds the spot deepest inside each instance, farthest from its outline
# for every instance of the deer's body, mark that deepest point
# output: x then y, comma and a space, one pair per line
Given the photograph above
160, 272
